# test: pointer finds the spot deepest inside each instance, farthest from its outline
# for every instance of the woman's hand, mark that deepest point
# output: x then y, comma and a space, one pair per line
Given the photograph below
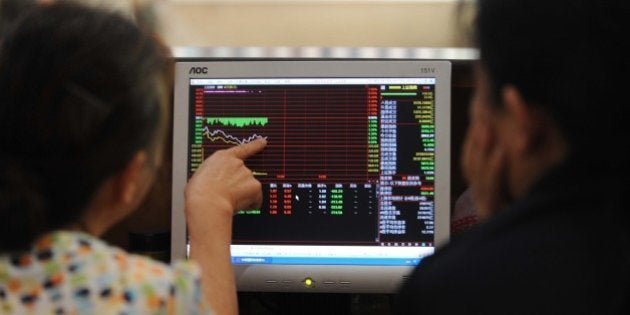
223, 178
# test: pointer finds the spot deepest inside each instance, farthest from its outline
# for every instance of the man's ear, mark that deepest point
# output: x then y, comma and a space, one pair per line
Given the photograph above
525, 123
129, 184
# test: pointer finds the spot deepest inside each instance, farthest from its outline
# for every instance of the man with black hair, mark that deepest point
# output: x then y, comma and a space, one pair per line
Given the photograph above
547, 167
11, 10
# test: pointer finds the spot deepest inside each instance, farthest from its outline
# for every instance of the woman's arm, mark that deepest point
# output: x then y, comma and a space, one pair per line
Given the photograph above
221, 186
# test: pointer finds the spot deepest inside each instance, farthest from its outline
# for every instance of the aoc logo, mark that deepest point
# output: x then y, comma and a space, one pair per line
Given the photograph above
198, 70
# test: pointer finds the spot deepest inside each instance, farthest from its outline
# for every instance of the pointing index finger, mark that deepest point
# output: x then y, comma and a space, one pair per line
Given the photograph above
246, 150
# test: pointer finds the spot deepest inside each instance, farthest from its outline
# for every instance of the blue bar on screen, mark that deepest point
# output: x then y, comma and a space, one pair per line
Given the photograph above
326, 261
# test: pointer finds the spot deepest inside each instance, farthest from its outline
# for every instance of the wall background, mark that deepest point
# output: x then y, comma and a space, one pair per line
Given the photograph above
349, 23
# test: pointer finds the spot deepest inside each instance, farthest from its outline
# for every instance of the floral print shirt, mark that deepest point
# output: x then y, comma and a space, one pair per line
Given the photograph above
75, 273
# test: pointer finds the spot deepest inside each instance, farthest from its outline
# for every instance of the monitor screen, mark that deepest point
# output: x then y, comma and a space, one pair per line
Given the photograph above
355, 175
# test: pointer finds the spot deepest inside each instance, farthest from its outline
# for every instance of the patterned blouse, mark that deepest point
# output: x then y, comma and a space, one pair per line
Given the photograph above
75, 273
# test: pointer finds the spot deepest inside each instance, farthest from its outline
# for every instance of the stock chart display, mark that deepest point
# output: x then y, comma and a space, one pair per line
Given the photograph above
347, 161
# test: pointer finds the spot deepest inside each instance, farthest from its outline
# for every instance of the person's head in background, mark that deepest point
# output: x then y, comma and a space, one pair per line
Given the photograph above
140, 11
10, 10
552, 89
82, 119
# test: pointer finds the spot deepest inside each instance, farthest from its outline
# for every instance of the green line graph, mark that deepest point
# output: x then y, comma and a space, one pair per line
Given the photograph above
239, 122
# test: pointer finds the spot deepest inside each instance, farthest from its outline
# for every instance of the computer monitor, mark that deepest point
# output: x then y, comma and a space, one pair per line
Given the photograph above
355, 176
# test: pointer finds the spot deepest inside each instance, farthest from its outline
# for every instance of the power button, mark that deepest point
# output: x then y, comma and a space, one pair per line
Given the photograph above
308, 282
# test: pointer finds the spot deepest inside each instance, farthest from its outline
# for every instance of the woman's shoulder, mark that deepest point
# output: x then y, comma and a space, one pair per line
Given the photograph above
72, 268
128, 269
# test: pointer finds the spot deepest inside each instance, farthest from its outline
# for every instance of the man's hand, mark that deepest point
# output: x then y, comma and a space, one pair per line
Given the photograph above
484, 167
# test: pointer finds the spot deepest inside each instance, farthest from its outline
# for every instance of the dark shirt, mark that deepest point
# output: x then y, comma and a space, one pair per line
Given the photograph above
564, 249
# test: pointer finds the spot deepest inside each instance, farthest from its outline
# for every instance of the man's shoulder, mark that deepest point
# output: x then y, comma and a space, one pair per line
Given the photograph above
550, 255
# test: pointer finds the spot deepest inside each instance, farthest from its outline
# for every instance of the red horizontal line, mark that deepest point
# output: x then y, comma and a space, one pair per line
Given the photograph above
296, 172
294, 175
313, 169
323, 135
316, 133
303, 160
257, 242
314, 147
317, 156
340, 161
261, 97
323, 118
311, 160
291, 111
312, 157
273, 170
302, 167
325, 145
334, 180
329, 140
